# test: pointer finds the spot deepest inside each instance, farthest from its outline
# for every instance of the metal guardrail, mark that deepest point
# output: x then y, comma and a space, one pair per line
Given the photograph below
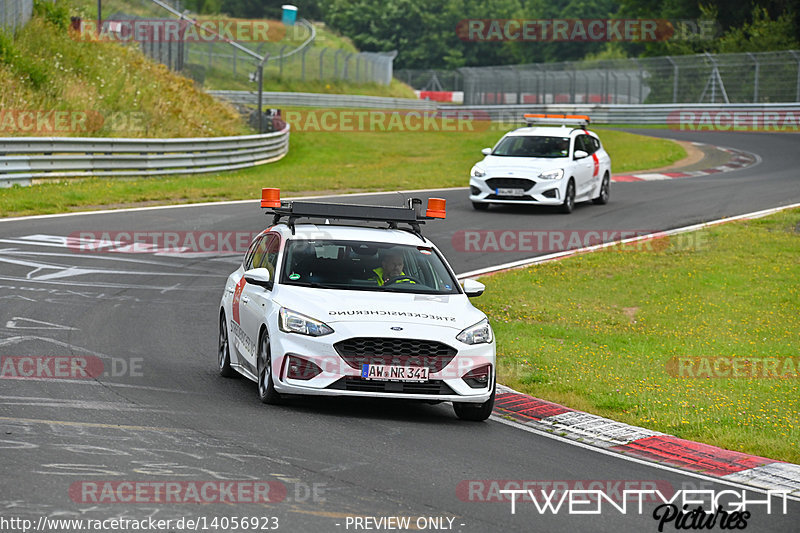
23, 159
274, 99
654, 114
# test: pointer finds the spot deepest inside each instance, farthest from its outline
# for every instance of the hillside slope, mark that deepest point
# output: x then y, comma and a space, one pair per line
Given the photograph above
54, 84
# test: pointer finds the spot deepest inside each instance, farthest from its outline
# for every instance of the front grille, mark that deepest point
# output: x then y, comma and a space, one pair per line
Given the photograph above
399, 352
437, 387
524, 197
510, 183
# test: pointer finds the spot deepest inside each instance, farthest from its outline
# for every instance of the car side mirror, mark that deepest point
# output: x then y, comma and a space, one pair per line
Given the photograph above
473, 288
258, 276
486, 151
580, 154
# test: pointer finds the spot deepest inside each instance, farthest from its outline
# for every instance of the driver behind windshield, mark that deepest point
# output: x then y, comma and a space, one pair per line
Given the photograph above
391, 266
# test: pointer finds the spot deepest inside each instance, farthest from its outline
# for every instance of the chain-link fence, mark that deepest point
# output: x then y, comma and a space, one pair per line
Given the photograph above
292, 52
765, 77
14, 13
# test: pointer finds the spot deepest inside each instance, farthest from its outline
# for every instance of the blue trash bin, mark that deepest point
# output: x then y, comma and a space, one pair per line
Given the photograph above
289, 14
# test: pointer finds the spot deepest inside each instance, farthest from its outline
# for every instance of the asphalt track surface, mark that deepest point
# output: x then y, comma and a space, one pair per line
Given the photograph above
162, 414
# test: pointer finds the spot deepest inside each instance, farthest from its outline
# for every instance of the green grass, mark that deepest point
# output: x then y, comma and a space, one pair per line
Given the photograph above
317, 161
595, 333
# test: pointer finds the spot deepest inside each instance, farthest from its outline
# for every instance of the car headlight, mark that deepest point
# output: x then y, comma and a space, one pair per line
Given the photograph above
294, 322
477, 172
556, 174
479, 333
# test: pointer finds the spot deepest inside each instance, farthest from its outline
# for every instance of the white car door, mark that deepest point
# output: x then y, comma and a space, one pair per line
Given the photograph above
256, 301
583, 168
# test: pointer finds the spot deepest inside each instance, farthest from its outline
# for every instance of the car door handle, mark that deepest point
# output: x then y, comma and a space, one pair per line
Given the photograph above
245, 299
229, 290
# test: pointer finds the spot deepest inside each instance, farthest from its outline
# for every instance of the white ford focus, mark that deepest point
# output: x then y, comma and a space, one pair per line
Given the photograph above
355, 310
555, 160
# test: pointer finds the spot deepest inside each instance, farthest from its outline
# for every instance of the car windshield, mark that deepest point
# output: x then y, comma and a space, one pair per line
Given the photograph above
360, 265
532, 146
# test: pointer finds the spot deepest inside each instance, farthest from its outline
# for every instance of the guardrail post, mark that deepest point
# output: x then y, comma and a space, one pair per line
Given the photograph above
321, 55
303, 63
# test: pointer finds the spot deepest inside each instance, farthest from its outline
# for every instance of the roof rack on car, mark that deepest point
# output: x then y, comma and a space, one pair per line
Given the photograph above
296, 209
576, 121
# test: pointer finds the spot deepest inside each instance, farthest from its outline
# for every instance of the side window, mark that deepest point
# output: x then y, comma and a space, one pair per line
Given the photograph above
585, 143
270, 254
595, 143
248, 258
578, 144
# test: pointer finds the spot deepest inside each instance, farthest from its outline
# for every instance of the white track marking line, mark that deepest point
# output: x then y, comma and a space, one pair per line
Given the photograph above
551, 257
228, 202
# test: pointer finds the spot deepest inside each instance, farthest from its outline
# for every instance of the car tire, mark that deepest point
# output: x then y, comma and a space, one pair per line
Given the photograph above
479, 206
475, 412
224, 350
266, 388
569, 198
605, 191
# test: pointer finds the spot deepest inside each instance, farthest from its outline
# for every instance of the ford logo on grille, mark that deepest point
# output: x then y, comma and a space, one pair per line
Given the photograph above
396, 328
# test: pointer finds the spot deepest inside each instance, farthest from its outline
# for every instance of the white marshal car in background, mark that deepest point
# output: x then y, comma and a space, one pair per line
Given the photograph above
311, 311
554, 160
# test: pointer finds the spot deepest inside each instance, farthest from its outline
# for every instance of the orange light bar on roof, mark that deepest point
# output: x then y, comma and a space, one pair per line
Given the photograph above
436, 208
557, 117
270, 197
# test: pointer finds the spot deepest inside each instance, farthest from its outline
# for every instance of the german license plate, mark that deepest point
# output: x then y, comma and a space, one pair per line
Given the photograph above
394, 373
510, 192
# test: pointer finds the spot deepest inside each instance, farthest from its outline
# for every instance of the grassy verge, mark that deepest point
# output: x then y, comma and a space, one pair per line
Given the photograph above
596, 333
319, 161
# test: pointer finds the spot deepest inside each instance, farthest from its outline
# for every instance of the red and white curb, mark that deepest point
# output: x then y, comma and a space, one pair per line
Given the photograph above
646, 444
739, 160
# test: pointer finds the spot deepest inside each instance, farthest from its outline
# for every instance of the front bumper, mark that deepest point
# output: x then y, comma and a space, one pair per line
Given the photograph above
541, 192
338, 378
